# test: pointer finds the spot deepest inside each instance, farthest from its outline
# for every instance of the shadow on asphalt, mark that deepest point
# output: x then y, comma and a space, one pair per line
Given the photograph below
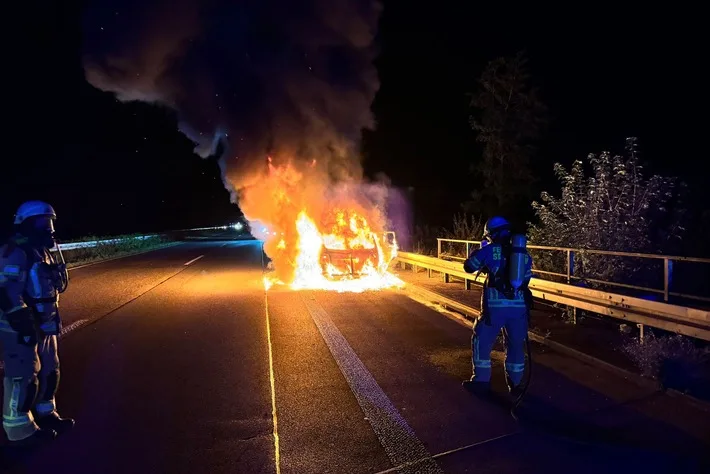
14, 457
637, 437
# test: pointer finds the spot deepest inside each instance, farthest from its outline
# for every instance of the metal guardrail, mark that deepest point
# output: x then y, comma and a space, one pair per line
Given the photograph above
221, 227
95, 243
570, 276
678, 319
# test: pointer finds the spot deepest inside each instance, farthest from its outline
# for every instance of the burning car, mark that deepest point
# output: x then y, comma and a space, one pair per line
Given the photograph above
339, 252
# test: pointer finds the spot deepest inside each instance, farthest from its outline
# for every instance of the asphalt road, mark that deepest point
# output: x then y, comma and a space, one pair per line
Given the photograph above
178, 361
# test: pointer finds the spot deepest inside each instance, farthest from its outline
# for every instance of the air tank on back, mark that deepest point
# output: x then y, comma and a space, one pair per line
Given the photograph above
516, 267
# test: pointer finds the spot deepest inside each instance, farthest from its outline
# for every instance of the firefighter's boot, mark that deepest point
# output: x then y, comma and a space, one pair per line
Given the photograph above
54, 422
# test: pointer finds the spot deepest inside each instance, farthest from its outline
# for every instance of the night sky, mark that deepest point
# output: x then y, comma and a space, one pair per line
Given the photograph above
113, 167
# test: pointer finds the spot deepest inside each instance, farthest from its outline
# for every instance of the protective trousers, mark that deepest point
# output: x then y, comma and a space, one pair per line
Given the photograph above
485, 332
30, 382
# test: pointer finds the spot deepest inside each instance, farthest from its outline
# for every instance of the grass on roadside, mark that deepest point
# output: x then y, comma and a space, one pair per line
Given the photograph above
127, 246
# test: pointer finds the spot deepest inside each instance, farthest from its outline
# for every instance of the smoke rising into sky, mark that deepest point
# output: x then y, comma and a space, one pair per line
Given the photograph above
293, 80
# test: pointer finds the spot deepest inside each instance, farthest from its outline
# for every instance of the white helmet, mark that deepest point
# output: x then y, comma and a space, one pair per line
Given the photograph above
32, 209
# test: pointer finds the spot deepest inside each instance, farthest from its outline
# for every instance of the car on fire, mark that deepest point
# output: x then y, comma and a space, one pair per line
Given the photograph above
353, 263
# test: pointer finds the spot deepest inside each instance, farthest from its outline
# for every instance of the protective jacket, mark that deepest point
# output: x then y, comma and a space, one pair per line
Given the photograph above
29, 283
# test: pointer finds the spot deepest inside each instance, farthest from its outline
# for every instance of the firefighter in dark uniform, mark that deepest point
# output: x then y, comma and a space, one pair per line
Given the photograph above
30, 283
503, 305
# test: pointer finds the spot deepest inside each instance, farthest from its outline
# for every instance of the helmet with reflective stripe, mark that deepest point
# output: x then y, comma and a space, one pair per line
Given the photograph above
494, 226
34, 209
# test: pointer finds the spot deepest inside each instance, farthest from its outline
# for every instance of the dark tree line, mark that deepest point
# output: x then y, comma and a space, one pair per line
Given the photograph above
614, 207
509, 118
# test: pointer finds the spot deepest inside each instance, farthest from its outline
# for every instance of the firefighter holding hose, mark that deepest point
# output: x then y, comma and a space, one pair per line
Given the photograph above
505, 305
30, 282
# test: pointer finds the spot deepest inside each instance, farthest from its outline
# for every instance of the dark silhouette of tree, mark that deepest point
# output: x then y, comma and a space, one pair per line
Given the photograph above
509, 117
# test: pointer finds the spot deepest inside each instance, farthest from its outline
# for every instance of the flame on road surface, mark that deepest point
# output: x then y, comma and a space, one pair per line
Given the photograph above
321, 235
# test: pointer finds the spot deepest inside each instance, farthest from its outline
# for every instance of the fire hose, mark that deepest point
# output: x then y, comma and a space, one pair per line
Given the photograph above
526, 383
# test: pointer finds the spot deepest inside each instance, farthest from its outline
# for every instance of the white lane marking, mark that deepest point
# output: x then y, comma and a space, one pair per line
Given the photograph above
398, 439
194, 260
277, 454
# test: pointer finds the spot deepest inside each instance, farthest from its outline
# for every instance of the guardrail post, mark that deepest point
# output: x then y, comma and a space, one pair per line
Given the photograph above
468, 249
438, 248
667, 277
570, 272
446, 278
641, 331
468, 283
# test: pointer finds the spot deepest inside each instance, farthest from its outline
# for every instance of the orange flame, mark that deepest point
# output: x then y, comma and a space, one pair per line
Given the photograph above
321, 235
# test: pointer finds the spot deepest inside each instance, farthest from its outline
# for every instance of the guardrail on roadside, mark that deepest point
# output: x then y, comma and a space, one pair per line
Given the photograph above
95, 243
221, 227
678, 319
569, 275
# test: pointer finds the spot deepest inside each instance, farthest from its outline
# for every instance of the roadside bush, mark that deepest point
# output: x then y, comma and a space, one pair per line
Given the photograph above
675, 360
615, 208
464, 227
424, 240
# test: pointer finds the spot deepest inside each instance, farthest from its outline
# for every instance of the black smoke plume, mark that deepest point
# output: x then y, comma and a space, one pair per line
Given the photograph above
288, 79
